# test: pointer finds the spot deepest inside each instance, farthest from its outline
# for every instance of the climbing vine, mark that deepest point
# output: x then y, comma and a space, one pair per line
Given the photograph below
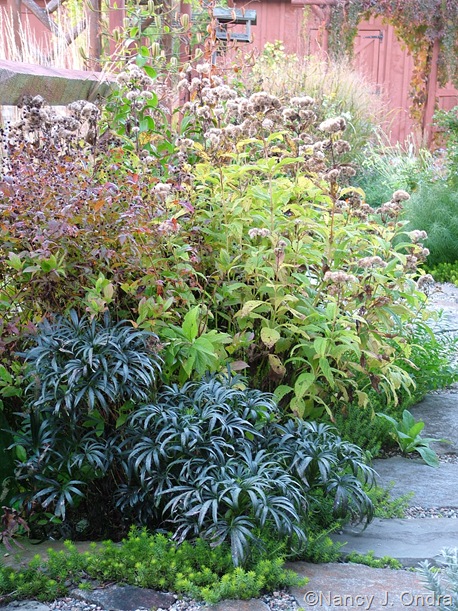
419, 24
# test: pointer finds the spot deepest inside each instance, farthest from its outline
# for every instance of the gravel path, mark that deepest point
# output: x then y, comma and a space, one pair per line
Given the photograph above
278, 601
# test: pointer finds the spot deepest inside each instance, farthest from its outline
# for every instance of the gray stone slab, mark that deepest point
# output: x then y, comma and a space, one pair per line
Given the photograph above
125, 598
352, 586
439, 412
431, 487
409, 541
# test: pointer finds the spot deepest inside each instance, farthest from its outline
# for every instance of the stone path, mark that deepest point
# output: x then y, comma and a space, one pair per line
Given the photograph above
342, 587
435, 492
345, 587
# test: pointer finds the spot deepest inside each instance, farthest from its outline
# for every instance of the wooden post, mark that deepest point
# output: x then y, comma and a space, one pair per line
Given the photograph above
185, 51
167, 40
427, 131
116, 18
41, 15
14, 9
93, 12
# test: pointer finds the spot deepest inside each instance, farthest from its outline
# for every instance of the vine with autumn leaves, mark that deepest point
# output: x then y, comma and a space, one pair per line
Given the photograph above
418, 24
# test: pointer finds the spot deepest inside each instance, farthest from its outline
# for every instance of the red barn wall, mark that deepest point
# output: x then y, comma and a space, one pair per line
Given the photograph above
378, 54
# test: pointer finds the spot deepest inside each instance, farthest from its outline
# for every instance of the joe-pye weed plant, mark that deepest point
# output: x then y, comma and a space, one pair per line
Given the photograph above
314, 285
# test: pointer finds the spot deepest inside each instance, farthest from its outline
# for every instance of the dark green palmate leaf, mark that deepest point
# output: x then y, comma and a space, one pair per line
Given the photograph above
209, 459
91, 364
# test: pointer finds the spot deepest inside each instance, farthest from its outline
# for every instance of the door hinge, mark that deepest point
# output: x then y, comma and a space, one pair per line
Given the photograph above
379, 36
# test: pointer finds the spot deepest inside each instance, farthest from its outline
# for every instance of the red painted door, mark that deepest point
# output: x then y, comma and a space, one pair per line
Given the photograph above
368, 55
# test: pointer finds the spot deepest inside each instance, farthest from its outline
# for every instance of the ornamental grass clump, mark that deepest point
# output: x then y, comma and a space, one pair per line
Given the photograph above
335, 85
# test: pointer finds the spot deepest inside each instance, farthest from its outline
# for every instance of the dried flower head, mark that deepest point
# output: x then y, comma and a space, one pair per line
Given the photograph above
341, 146
333, 175
390, 209
411, 263
302, 101
371, 262
400, 196
161, 190
268, 124
289, 114
347, 170
417, 236
333, 126
183, 84
339, 277
261, 233
424, 254
425, 283
203, 68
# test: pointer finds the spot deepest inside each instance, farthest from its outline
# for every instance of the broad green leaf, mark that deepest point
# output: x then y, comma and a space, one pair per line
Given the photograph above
190, 324
15, 261
248, 307
121, 420
387, 418
297, 406
11, 391
46, 266
5, 376
261, 193
326, 369
108, 292
204, 346
281, 391
150, 71
331, 310
319, 345
408, 420
188, 364
303, 383
416, 429
269, 337
21, 453
429, 456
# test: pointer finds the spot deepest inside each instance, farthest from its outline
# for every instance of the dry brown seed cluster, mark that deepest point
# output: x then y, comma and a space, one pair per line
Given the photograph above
333, 126
425, 283
339, 277
261, 233
40, 122
418, 236
371, 262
